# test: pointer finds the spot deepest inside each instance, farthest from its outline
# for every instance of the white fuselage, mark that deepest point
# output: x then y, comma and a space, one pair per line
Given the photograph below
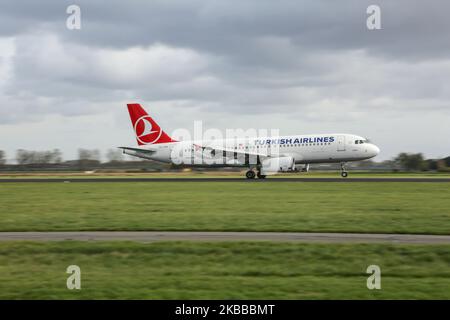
313, 148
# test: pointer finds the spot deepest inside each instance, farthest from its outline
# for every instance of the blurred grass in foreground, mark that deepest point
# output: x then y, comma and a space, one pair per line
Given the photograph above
227, 206
231, 270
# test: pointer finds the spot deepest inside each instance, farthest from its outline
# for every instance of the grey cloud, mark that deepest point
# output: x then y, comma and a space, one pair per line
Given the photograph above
412, 28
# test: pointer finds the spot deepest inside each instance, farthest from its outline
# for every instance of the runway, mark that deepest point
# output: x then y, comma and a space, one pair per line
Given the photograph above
267, 180
152, 236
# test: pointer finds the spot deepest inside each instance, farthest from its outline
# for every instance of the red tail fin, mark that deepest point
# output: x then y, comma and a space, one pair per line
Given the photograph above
146, 129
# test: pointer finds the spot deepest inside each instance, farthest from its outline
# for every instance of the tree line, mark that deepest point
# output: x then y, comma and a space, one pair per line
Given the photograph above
88, 158
25, 157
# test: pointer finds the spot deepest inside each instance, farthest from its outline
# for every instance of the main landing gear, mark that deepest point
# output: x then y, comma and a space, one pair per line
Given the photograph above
250, 174
344, 172
260, 176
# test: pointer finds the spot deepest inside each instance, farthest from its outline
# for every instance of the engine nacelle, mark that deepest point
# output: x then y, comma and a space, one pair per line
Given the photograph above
274, 165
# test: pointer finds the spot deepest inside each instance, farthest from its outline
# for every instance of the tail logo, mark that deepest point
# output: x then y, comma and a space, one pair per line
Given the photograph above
147, 132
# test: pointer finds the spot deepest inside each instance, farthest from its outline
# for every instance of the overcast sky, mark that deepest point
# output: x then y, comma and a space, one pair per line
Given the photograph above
298, 66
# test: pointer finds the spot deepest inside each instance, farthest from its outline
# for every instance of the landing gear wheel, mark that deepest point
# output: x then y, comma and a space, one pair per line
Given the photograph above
344, 173
250, 174
261, 176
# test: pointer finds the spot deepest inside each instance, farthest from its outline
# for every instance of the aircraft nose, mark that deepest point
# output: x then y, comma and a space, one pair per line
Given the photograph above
374, 150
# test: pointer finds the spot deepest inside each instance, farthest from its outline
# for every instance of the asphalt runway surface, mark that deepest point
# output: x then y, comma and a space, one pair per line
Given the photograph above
243, 179
152, 236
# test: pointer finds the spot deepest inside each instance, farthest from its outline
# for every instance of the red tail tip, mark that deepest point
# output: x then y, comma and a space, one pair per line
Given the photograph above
146, 129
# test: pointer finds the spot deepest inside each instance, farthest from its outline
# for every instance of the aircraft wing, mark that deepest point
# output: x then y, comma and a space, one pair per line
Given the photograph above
212, 150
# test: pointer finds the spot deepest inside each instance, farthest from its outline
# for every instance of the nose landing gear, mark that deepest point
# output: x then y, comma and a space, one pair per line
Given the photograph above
344, 172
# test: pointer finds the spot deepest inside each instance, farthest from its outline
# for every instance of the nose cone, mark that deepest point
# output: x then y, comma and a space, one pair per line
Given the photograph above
374, 150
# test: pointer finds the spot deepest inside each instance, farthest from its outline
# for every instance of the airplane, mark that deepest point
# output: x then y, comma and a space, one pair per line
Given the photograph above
265, 155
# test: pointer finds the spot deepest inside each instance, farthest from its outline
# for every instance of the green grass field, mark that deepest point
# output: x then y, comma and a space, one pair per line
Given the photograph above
238, 206
225, 270
240, 270
219, 174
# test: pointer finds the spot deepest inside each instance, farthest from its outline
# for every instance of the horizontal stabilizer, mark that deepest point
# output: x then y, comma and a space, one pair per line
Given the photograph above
137, 152
149, 151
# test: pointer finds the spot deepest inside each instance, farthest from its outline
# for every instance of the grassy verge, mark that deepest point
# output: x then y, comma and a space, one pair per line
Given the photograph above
244, 270
238, 206
219, 174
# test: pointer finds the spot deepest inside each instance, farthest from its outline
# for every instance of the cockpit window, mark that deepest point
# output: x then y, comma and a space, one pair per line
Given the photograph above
361, 141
